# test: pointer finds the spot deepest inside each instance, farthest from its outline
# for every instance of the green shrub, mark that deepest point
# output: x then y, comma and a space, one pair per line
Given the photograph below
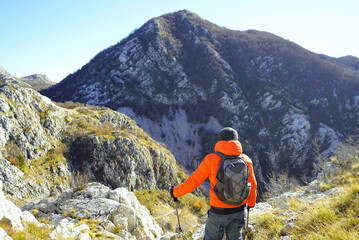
181, 175
22, 163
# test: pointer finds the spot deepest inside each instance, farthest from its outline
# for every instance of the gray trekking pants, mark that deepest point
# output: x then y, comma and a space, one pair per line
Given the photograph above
230, 224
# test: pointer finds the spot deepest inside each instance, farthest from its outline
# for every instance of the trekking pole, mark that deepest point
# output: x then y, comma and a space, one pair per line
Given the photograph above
179, 223
247, 220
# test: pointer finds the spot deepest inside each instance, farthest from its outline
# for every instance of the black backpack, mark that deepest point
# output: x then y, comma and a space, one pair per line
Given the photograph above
232, 180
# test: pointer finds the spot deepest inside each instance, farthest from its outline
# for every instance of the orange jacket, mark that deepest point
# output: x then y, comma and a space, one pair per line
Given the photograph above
208, 169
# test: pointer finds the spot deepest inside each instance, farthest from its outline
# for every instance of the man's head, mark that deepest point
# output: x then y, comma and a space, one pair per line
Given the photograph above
227, 134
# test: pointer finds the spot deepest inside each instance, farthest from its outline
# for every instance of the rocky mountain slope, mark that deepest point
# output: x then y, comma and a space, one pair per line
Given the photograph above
183, 78
75, 168
41, 143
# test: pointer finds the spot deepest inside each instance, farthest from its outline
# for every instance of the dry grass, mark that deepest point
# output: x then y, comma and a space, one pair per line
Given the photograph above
104, 128
333, 217
79, 180
31, 231
336, 218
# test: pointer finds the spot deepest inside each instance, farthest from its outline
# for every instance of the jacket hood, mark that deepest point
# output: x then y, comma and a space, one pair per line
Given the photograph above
232, 147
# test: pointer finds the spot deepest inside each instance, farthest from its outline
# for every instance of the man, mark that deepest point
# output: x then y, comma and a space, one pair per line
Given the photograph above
222, 217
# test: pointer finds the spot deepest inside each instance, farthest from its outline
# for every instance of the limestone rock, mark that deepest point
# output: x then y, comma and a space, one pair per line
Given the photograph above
260, 208
115, 210
46, 142
3, 235
287, 229
67, 230
10, 211
123, 162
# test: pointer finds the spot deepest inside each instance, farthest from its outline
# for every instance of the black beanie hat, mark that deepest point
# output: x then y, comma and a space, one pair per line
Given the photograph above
227, 134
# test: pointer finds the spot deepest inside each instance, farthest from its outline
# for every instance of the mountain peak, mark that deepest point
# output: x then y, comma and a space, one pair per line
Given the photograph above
39, 78
36, 81
182, 78
186, 12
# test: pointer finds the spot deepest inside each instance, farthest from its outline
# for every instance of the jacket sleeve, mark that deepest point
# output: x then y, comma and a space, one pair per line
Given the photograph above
195, 180
252, 198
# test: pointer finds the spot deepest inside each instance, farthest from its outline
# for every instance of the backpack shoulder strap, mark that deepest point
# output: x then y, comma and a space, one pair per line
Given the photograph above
221, 155
224, 156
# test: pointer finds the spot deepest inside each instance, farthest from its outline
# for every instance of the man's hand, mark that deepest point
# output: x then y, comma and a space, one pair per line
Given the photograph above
174, 198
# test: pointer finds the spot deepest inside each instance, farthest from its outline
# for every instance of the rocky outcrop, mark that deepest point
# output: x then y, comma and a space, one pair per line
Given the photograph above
31, 126
3, 235
13, 214
6, 77
117, 212
42, 143
18, 220
123, 162
66, 229
29, 185
28, 120
10, 211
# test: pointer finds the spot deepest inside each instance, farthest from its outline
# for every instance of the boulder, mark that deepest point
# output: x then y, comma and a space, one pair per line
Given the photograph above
3, 235
10, 211
117, 211
287, 229
199, 233
123, 162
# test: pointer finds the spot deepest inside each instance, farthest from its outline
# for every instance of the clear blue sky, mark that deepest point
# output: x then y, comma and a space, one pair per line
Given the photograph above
57, 37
